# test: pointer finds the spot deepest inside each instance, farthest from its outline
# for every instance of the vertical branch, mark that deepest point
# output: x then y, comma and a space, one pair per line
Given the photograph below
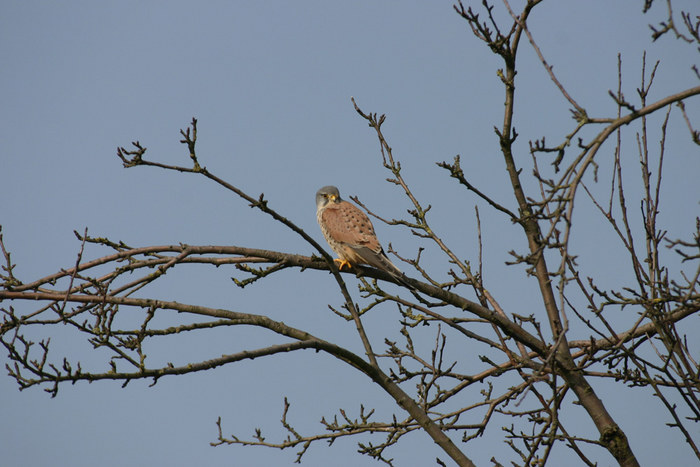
612, 436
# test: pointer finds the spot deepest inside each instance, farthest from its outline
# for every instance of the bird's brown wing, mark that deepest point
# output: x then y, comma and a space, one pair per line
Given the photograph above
351, 228
346, 224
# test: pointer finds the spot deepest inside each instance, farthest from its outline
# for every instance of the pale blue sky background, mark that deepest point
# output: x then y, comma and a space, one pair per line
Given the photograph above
270, 83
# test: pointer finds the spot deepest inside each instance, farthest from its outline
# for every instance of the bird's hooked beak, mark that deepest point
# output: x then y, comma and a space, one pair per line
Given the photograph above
333, 198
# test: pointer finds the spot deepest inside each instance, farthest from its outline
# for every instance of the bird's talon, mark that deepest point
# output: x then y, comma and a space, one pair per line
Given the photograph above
341, 263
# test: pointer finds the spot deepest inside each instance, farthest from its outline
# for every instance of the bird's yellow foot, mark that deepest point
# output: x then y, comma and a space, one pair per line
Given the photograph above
341, 263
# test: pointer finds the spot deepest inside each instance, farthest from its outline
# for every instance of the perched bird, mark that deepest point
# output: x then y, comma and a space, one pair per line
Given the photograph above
350, 233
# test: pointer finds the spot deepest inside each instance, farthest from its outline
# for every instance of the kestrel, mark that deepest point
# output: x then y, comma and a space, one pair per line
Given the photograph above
350, 233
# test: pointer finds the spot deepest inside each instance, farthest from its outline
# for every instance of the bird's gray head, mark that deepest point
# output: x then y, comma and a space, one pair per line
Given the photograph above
327, 194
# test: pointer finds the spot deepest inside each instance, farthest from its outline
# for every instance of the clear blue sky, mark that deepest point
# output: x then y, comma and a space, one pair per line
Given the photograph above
270, 83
